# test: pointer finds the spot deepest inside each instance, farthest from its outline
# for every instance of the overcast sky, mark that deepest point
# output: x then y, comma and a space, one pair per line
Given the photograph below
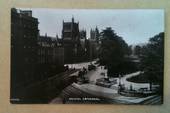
135, 26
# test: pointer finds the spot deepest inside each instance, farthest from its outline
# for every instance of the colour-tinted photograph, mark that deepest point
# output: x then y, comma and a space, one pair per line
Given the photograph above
87, 56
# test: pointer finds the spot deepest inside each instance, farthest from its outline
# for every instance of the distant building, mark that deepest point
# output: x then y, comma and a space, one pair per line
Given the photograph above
77, 47
94, 43
83, 39
50, 57
71, 41
49, 51
83, 34
94, 35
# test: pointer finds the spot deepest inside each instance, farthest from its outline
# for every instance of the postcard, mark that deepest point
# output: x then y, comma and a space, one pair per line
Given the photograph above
87, 56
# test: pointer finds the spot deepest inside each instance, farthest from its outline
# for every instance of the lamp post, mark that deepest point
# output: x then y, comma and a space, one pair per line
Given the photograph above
119, 86
119, 80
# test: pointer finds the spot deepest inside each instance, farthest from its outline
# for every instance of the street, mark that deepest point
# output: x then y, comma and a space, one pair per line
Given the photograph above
92, 90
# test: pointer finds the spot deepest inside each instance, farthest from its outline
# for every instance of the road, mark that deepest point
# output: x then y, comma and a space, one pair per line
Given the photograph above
153, 101
110, 93
135, 86
73, 94
80, 65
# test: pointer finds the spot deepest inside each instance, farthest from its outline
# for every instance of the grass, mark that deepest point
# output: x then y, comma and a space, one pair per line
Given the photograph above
138, 79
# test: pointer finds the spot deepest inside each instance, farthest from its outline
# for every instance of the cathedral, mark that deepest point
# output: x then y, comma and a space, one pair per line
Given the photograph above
77, 47
70, 40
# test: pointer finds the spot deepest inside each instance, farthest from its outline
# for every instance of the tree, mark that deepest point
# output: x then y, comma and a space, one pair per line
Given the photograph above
137, 50
152, 60
129, 51
112, 52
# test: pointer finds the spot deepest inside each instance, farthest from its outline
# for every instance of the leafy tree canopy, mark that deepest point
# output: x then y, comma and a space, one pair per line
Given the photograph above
152, 58
113, 51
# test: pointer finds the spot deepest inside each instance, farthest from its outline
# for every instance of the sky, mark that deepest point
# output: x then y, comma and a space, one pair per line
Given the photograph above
136, 26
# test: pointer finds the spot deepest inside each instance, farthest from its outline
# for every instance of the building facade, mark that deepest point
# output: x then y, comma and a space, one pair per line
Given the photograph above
34, 58
24, 33
94, 35
71, 41
50, 56
94, 43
